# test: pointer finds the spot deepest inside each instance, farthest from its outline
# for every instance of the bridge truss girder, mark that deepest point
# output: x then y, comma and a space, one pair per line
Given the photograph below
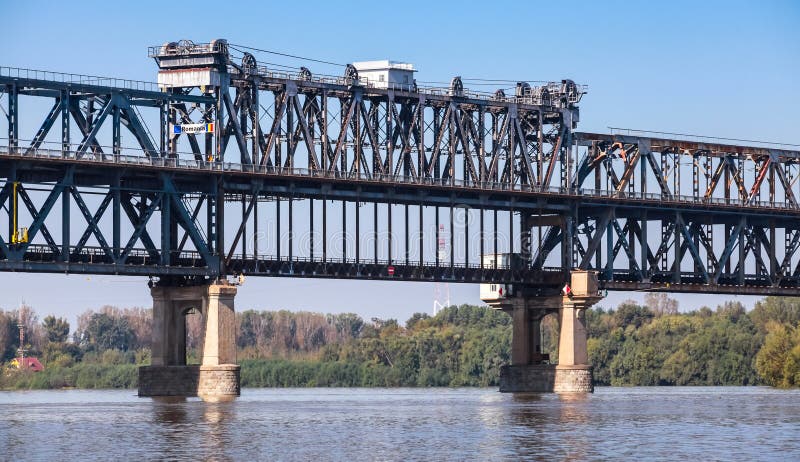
611, 203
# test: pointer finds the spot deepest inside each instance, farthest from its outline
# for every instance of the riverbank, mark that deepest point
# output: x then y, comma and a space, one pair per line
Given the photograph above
462, 346
258, 373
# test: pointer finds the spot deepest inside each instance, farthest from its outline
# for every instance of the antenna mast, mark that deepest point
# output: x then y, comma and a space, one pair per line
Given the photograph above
21, 325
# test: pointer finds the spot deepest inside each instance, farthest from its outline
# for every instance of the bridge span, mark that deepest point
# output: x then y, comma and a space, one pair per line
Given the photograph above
225, 167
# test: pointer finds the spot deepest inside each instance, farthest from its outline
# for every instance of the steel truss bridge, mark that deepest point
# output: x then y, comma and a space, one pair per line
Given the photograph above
293, 174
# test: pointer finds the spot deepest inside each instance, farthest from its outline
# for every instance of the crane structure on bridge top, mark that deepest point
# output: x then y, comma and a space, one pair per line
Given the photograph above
229, 166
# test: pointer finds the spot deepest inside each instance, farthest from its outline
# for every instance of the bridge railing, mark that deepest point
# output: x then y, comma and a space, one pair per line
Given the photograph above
191, 258
63, 77
139, 157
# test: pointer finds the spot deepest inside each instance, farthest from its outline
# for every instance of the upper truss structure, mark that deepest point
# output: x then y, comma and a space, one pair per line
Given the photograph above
155, 172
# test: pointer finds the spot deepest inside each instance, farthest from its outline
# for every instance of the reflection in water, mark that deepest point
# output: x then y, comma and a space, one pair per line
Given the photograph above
574, 408
172, 419
217, 417
189, 427
574, 397
721, 423
170, 413
539, 418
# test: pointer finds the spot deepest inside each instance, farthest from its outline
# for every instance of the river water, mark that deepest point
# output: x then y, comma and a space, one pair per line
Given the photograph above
679, 423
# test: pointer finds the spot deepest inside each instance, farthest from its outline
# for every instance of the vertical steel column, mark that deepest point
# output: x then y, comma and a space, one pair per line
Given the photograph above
389, 214
65, 223
375, 232
645, 249
452, 240
211, 219
644, 150
420, 134
466, 237
311, 228
676, 275
256, 236
451, 153
742, 251
407, 235
511, 231
598, 254
166, 228
512, 145
219, 123
277, 228
436, 213
116, 209
256, 132
494, 264
609, 267
696, 175
772, 168
13, 117
290, 140
291, 230
280, 97
163, 131
482, 149
343, 127
437, 155
771, 252
219, 224
12, 178
324, 133
356, 126
389, 165
709, 230
358, 232
324, 230
65, 103
344, 232
243, 96
540, 148
244, 228
676, 176
116, 135
524, 238
481, 211
567, 244
419, 238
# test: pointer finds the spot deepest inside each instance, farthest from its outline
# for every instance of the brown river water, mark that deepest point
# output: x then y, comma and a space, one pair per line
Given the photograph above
678, 423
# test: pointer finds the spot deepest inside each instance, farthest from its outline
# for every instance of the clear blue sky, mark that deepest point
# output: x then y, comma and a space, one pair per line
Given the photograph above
725, 68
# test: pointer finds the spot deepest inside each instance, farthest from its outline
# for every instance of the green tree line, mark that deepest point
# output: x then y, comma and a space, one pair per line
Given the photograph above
632, 344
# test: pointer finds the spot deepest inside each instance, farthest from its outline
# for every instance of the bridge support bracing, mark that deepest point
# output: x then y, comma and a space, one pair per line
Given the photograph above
530, 369
216, 378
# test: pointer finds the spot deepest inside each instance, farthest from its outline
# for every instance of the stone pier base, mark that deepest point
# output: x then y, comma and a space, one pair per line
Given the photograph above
210, 383
219, 383
573, 379
546, 378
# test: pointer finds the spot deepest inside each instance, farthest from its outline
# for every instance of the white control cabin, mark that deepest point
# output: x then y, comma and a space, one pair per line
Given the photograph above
493, 293
386, 74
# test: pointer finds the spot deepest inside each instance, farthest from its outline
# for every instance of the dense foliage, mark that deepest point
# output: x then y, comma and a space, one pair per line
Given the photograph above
462, 346
649, 344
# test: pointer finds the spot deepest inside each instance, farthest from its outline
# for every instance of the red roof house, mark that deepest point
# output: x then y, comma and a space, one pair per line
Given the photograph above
28, 363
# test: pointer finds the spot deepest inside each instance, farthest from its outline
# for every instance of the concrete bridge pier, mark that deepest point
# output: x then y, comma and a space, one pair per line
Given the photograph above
216, 378
530, 369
